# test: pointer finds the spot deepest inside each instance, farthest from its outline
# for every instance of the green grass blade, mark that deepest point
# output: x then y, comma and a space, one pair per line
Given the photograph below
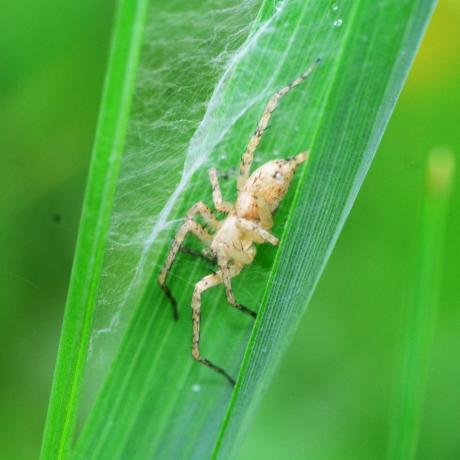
108, 148
420, 314
369, 78
207, 69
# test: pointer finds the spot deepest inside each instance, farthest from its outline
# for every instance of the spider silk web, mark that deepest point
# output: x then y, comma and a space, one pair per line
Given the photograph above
188, 115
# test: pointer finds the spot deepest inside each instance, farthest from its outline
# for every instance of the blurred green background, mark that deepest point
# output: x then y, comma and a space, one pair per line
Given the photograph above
332, 396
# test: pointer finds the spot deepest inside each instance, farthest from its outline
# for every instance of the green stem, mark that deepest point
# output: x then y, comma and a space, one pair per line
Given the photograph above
420, 315
107, 153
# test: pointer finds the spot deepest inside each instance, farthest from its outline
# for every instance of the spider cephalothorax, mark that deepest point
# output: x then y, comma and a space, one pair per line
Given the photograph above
248, 221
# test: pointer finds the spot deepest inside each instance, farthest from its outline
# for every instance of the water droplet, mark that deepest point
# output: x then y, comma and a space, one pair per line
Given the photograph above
335, 7
279, 6
338, 23
196, 387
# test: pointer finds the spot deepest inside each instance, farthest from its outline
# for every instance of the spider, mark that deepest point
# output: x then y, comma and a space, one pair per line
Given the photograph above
248, 221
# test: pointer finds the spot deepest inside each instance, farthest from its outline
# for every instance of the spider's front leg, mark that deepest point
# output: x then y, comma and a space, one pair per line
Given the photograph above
188, 226
227, 274
206, 283
257, 230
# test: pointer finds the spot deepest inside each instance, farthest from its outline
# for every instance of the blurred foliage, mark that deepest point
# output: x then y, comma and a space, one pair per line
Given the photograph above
53, 57
332, 397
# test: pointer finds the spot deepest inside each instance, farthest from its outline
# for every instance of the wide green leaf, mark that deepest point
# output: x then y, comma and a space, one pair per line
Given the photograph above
206, 70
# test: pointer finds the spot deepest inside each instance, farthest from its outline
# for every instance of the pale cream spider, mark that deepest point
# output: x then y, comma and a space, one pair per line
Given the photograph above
249, 220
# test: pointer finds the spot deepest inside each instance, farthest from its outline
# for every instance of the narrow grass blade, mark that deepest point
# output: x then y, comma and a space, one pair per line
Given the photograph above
108, 148
421, 311
206, 71
372, 61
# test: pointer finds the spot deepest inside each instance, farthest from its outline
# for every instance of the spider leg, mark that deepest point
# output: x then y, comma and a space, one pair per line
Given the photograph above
204, 254
248, 155
257, 230
206, 213
227, 275
206, 283
219, 204
188, 226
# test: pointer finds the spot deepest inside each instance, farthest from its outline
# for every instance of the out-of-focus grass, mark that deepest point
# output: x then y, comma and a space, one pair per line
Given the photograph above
53, 62
421, 310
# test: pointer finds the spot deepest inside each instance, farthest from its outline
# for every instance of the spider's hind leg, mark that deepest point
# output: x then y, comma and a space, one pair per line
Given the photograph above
219, 203
248, 156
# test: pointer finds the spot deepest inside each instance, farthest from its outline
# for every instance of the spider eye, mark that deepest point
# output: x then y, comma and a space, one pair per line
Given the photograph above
278, 176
